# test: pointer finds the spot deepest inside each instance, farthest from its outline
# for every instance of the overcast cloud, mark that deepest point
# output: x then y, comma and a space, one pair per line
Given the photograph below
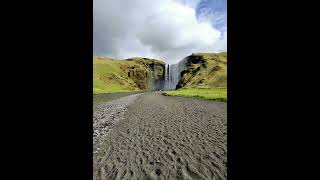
166, 29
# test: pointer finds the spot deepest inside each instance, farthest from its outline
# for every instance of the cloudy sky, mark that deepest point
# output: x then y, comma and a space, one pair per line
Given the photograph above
164, 29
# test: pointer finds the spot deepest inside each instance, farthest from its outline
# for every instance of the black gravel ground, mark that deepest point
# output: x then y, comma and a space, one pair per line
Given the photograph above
160, 137
103, 98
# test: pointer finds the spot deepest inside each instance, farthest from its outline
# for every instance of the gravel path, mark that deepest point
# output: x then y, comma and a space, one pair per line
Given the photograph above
104, 98
106, 116
161, 137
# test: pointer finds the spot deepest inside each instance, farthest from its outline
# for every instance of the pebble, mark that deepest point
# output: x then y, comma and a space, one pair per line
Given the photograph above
105, 116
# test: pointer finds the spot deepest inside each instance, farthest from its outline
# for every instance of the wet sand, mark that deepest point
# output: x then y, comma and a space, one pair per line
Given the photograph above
161, 137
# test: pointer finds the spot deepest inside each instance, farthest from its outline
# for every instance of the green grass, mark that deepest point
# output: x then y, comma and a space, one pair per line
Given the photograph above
205, 70
109, 78
204, 73
112, 76
219, 94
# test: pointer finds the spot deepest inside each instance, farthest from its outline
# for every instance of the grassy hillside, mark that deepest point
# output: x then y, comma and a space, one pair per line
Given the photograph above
205, 77
205, 70
130, 75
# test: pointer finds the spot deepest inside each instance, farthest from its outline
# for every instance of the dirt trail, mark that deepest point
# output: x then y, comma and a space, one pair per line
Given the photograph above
160, 137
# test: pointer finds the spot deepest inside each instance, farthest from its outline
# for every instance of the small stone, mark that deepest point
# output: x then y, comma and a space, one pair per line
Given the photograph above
158, 172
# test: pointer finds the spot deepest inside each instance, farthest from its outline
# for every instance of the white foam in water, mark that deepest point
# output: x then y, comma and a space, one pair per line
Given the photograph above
173, 77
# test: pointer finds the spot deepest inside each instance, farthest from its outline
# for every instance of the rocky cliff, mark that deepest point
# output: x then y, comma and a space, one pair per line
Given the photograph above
134, 74
204, 70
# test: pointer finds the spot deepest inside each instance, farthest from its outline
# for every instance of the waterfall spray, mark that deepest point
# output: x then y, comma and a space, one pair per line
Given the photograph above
172, 74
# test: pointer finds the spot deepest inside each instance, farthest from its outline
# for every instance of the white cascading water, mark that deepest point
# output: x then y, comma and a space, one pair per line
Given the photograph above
172, 75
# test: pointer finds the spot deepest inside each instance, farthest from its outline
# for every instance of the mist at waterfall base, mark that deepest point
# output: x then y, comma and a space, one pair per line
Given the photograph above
173, 75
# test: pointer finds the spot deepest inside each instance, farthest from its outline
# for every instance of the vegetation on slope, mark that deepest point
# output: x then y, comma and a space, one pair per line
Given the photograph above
130, 75
203, 93
205, 70
205, 77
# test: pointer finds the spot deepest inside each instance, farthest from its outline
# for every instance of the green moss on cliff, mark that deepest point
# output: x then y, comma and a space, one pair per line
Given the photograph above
205, 70
135, 74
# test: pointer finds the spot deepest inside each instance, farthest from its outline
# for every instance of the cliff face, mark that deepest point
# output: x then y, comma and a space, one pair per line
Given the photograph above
149, 75
204, 70
134, 74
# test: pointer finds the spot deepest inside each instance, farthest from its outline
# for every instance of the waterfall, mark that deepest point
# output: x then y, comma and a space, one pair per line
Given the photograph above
172, 74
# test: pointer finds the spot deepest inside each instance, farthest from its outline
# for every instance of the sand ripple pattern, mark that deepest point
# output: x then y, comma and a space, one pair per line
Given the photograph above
163, 137
106, 116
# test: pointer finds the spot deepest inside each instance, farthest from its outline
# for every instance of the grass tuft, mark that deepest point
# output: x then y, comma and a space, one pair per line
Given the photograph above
219, 94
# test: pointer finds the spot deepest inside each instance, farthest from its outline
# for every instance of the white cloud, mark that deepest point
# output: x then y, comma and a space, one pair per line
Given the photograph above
190, 3
166, 29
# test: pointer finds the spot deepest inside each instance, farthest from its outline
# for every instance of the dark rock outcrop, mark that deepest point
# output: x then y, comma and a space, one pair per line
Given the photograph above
204, 70
150, 75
